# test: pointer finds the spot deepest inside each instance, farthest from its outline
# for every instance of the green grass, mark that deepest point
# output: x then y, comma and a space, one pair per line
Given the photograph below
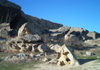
17, 66
98, 60
87, 57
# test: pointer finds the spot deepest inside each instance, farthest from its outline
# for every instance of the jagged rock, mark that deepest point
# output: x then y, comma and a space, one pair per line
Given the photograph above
93, 35
67, 57
31, 38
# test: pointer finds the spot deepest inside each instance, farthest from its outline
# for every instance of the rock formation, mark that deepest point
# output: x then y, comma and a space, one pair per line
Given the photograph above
12, 13
20, 32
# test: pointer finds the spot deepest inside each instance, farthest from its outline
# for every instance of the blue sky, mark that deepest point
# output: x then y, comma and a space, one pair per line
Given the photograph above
74, 13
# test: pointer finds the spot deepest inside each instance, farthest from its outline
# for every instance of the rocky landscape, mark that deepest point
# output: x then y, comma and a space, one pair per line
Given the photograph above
29, 38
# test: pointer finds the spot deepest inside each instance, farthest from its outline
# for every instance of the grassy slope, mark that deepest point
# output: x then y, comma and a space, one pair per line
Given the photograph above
17, 66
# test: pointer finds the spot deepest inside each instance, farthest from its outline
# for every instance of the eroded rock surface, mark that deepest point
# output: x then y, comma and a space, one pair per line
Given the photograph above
67, 57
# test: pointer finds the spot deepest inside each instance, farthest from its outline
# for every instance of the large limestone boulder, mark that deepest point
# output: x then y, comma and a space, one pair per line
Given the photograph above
67, 57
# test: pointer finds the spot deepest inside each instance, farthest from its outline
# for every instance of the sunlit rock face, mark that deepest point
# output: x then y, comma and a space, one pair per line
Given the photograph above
67, 57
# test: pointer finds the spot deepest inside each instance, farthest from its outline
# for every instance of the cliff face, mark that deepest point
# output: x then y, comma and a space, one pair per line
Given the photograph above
8, 11
11, 13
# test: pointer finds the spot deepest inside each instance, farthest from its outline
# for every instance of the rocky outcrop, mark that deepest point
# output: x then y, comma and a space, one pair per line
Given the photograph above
11, 13
93, 35
76, 38
22, 33
14, 22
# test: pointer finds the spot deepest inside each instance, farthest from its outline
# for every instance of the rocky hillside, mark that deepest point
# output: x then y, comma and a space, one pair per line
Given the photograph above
12, 14
24, 33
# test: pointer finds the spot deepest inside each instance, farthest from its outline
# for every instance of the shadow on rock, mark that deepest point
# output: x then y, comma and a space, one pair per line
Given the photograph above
83, 61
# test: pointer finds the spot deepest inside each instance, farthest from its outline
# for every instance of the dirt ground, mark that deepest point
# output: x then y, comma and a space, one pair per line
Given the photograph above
89, 65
